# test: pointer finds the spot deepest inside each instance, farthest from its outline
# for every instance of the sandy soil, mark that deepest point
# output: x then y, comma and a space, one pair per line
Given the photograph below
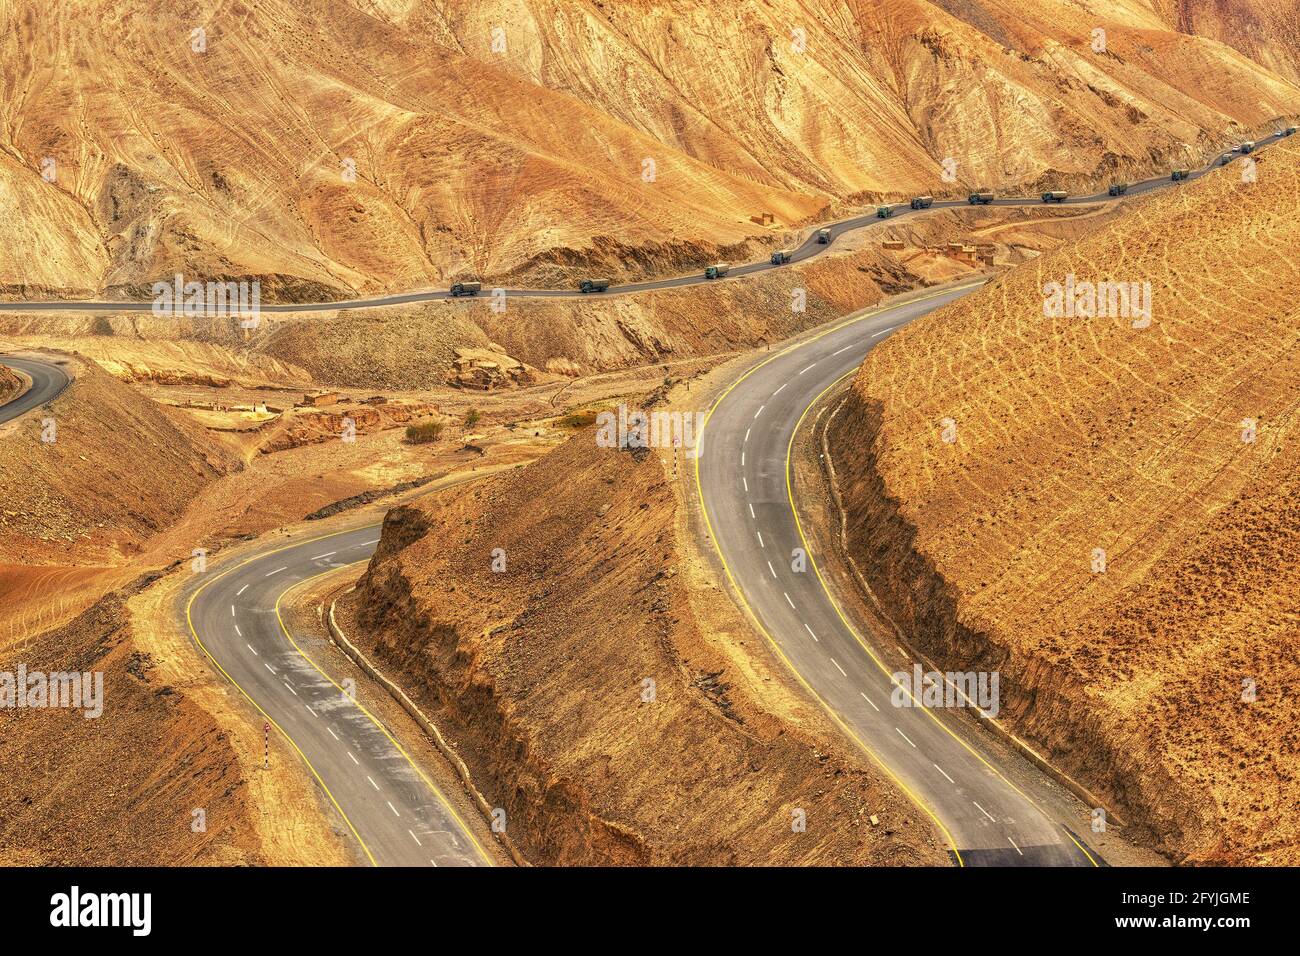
1113, 523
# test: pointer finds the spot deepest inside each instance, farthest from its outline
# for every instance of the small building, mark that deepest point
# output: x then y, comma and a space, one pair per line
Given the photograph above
320, 399
763, 219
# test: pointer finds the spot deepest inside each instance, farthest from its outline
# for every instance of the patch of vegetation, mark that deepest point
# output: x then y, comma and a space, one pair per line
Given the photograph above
424, 432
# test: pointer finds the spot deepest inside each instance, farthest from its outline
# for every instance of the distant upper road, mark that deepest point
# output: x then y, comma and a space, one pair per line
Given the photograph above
810, 248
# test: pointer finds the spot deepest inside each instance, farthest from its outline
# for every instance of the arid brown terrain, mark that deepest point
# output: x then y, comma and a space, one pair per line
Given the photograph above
330, 146
1107, 513
588, 699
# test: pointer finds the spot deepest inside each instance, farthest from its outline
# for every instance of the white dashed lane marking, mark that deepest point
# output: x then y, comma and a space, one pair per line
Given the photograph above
327, 554
393, 808
241, 590
1013, 843
870, 701
838, 668
905, 737
945, 776
760, 410
415, 838
276, 571
810, 367
985, 812
372, 783
788, 601
253, 649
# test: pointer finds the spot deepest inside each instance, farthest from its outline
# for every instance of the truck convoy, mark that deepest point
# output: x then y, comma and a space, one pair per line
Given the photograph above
1055, 195
922, 202
780, 257
593, 285
980, 199
1117, 189
1178, 175
717, 270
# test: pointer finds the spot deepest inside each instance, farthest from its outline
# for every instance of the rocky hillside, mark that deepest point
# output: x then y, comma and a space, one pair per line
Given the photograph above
96, 472
328, 146
585, 694
1104, 508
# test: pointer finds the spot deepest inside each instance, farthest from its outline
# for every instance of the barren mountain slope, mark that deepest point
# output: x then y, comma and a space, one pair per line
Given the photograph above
327, 146
96, 472
1267, 31
1114, 524
591, 702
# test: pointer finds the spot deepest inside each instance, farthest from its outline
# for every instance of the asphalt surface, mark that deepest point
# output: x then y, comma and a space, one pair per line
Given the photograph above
397, 815
48, 382
809, 249
742, 476
400, 818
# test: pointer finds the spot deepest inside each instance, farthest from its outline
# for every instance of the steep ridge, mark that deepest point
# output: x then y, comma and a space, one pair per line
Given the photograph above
1106, 512
588, 698
95, 473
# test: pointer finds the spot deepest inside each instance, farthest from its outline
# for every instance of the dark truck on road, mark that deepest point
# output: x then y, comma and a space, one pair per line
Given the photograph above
1055, 195
884, 212
979, 199
593, 285
1117, 189
465, 288
922, 202
780, 257
717, 270
1178, 175
823, 236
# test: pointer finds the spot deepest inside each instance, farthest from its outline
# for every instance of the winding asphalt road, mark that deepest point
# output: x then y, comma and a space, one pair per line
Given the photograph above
397, 815
48, 382
744, 477
808, 250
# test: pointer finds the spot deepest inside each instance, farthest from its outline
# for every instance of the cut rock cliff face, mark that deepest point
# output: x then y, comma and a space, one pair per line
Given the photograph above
1109, 514
581, 690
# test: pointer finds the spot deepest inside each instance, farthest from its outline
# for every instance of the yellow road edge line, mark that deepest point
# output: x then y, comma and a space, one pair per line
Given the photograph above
699, 490
373, 719
189, 620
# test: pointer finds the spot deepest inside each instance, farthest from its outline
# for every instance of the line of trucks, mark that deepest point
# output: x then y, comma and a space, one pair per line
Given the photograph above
780, 257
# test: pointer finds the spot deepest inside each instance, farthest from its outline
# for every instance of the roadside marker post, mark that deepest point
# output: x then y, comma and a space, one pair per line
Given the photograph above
266, 760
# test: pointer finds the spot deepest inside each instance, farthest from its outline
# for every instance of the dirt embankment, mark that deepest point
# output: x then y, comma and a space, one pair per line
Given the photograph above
151, 781
10, 384
581, 690
97, 472
1107, 513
